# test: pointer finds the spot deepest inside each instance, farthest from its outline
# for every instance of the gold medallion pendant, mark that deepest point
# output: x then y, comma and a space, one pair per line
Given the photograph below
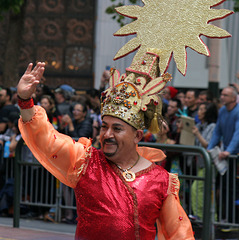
129, 176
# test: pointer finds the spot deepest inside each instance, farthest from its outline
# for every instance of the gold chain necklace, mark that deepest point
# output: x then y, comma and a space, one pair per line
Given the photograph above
128, 175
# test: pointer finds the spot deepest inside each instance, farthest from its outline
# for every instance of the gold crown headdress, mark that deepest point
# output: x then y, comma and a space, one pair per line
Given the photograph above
130, 95
163, 28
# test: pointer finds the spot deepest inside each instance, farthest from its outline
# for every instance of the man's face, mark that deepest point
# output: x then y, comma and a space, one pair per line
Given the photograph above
59, 97
117, 138
202, 98
39, 91
227, 96
181, 97
190, 100
3, 97
166, 93
172, 108
78, 113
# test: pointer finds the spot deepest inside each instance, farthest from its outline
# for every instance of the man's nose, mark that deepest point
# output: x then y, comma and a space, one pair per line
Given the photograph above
109, 133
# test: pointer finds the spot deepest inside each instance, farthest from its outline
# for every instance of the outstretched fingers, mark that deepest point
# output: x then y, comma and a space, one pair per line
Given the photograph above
38, 71
29, 68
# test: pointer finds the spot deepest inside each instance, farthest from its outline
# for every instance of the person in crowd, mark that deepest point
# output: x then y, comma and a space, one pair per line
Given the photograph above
80, 125
227, 132
6, 107
110, 184
207, 114
14, 96
169, 93
16, 135
172, 115
191, 104
227, 124
62, 101
9, 141
41, 90
162, 138
11, 135
204, 96
94, 107
104, 81
48, 103
181, 96
162, 135
236, 86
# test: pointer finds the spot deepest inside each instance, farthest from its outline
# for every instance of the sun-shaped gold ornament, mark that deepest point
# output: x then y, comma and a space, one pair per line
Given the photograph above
167, 27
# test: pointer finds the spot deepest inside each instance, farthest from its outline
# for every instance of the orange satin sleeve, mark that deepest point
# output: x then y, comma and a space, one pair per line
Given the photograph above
58, 153
173, 222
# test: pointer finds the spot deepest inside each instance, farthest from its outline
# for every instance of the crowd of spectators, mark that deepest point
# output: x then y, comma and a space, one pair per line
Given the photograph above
78, 115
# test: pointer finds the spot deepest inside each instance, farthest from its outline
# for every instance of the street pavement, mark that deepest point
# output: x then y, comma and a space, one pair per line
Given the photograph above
40, 230
35, 230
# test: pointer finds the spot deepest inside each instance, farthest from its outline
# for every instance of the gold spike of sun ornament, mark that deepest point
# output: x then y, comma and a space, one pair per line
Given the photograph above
167, 27
164, 28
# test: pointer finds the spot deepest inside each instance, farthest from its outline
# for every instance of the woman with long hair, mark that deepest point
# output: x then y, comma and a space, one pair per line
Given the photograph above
207, 114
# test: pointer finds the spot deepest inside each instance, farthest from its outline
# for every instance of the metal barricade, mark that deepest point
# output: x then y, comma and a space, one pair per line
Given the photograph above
226, 195
188, 179
6, 164
35, 186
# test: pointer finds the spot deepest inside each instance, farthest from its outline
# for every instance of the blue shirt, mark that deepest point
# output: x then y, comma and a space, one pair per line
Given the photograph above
227, 130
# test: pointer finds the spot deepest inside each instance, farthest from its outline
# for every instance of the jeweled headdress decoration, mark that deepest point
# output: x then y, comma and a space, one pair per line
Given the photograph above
164, 28
130, 95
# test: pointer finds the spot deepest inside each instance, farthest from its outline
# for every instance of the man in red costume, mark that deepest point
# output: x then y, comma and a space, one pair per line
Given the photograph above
120, 192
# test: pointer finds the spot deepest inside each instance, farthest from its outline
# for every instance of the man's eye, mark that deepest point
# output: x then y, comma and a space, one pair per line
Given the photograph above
117, 129
103, 127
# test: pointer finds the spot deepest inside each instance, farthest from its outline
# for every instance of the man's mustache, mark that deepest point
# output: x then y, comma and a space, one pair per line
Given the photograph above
110, 140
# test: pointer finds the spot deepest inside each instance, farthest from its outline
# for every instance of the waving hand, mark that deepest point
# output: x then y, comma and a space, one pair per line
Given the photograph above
28, 82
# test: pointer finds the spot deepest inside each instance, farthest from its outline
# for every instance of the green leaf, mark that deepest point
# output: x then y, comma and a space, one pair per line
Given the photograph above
117, 17
110, 10
236, 6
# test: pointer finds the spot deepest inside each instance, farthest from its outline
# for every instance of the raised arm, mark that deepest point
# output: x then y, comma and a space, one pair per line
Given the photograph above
27, 86
58, 153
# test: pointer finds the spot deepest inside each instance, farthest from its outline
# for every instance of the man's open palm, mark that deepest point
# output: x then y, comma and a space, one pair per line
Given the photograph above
28, 82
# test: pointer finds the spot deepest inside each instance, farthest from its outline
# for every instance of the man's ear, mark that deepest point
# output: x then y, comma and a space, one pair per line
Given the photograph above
138, 136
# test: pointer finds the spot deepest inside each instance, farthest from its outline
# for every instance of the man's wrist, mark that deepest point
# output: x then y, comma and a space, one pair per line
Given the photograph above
25, 103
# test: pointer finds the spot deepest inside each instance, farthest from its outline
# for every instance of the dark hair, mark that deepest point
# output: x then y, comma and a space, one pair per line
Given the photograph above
179, 104
45, 90
208, 94
13, 116
82, 103
16, 125
196, 92
93, 93
49, 98
8, 92
211, 112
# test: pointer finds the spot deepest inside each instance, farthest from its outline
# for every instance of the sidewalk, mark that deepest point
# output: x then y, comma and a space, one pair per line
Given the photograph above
35, 230
40, 230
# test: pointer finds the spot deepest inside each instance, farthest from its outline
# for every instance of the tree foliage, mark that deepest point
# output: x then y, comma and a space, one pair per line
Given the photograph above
10, 5
236, 6
111, 10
